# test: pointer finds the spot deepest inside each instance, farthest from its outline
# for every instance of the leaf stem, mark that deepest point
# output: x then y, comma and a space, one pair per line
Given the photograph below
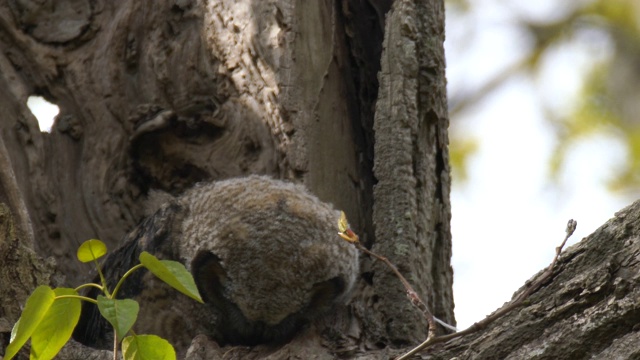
89, 285
115, 345
105, 288
126, 275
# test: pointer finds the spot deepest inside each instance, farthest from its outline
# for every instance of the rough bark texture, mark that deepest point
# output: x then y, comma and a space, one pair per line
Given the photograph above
412, 210
21, 268
156, 96
589, 310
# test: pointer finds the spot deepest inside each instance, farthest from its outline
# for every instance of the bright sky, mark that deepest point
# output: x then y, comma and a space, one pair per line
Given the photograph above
44, 111
508, 218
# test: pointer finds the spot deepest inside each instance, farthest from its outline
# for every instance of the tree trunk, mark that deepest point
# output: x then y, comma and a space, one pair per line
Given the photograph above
156, 96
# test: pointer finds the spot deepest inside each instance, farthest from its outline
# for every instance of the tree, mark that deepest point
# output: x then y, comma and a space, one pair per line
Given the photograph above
160, 97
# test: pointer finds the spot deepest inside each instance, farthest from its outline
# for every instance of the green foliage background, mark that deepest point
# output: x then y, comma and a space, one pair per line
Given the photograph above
608, 102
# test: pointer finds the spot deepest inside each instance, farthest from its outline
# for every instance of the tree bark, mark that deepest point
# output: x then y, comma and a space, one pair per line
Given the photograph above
156, 96
412, 210
590, 309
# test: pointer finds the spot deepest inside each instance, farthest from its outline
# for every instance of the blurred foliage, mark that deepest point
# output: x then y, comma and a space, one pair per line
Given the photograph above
609, 100
460, 155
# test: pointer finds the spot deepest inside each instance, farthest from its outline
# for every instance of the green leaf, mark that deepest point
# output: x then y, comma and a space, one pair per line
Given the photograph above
34, 311
173, 273
90, 250
56, 327
121, 314
143, 347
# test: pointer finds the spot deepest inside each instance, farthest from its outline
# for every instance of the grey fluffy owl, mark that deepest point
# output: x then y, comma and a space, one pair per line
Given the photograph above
265, 256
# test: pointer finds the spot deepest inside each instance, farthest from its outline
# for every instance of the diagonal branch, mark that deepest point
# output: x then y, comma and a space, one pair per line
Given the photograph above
548, 274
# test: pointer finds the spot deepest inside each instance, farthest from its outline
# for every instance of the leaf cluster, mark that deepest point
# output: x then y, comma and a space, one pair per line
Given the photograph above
50, 315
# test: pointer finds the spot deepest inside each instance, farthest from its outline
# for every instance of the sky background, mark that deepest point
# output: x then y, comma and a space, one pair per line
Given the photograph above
508, 216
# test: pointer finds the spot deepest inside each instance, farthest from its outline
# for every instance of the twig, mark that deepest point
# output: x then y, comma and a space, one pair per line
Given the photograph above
347, 234
411, 294
571, 227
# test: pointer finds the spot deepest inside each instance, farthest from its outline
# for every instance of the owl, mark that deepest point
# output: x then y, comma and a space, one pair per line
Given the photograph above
265, 256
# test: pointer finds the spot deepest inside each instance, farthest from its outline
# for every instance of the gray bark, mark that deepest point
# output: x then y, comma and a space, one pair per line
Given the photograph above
412, 210
590, 309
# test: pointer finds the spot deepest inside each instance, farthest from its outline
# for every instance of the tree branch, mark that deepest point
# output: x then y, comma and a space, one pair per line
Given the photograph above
548, 274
